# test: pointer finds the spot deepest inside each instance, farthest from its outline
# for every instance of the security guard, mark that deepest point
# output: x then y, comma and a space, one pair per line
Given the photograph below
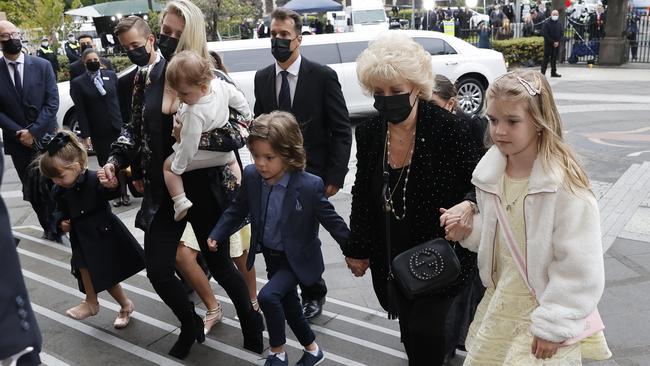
72, 49
47, 53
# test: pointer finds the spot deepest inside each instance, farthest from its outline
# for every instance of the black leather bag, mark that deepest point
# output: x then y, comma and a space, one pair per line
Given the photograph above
426, 268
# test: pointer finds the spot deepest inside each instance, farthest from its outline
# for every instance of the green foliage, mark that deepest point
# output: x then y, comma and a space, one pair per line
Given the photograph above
18, 11
120, 63
154, 21
224, 16
521, 50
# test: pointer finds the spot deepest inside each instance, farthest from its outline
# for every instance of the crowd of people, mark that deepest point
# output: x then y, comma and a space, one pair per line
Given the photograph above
427, 173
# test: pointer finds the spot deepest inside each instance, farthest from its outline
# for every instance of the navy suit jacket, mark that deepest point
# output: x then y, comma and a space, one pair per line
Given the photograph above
303, 208
39, 91
18, 327
99, 116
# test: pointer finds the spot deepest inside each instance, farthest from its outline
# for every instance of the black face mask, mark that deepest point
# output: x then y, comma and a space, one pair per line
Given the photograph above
12, 46
92, 66
167, 46
395, 108
281, 49
139, 56
85, 47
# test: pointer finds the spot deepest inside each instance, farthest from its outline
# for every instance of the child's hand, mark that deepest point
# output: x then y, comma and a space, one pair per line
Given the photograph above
457, 221
212, 245
106, 176
65, 226
543, 349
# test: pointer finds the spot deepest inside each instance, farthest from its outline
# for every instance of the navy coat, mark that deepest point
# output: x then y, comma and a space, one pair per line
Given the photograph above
100, 241
303, 208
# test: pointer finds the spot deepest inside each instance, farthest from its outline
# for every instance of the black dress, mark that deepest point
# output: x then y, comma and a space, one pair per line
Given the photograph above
100, 241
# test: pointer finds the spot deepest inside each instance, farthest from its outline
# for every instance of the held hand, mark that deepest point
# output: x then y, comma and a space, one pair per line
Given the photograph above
139, 185
176, 129
543, 349
65, 226
106, 176
457, 221
330, 190
25, 137
212, 245
357, 266
556, 44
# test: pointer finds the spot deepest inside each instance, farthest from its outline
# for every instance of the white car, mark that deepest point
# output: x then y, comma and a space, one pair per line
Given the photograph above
471, 68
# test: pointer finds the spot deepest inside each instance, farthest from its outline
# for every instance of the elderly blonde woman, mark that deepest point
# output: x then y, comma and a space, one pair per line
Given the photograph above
428, 157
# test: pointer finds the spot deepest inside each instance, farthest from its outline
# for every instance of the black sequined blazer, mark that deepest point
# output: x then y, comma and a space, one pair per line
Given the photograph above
444, 158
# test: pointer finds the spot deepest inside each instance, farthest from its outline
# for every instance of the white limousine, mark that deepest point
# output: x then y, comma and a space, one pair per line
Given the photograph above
471, 68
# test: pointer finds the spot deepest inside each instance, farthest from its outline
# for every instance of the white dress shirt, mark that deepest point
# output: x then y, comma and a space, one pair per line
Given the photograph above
21, 68
292, 78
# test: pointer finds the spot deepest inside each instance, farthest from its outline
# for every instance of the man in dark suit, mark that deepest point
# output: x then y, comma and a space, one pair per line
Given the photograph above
29, 100
313, 94
18, 325
77, 68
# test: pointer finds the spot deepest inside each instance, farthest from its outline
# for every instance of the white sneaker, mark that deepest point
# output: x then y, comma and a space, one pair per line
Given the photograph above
180, 208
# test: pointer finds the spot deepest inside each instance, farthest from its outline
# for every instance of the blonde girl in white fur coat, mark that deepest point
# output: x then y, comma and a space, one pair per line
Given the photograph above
554, 216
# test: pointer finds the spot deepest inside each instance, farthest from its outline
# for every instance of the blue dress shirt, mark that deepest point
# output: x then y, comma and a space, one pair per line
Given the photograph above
272, 201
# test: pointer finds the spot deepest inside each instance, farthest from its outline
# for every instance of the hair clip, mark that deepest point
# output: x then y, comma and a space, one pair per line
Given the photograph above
51, 144
529, 87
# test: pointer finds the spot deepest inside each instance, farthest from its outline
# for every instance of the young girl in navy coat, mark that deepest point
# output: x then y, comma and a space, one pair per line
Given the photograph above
285, 205
104, 252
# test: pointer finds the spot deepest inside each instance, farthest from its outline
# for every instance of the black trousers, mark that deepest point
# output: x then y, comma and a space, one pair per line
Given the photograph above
161, 241
316, 291
550, 53
38, 194
422, 326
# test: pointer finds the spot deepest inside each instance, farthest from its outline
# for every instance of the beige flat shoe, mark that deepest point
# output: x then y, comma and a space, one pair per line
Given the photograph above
83, 310
212, 317
124, 316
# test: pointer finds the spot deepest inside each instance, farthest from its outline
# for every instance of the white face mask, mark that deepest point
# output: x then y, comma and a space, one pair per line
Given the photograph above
555, 17
45, 44
71, 39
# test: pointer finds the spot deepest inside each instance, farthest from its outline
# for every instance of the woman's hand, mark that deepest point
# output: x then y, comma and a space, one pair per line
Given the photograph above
357, 266
138, 184
65, 226
544, 349
212, 245
106, 176
457, 221
176, 129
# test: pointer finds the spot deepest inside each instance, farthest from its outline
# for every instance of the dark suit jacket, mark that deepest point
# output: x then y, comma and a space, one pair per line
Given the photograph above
39, 91
18, 325
303, 208
77, 68
319, 107
99, 116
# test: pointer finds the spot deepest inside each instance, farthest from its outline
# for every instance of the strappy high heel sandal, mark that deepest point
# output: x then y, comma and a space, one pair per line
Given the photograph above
212, 317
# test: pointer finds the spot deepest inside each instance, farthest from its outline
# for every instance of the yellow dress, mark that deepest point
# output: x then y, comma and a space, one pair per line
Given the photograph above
500, 333
239, 241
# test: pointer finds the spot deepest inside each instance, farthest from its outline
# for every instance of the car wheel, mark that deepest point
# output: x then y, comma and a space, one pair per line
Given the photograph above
471, 95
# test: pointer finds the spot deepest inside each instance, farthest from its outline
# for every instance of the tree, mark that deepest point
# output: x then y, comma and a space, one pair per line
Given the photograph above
228, 11
18, 11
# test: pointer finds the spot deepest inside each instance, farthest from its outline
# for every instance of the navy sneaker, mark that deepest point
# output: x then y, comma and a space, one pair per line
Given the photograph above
308, 359
273, 360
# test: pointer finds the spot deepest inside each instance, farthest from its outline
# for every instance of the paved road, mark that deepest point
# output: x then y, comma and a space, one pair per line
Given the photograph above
606, 116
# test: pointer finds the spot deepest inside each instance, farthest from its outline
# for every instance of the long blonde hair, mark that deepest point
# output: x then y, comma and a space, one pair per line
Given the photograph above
532, 88
70, 150
193, 37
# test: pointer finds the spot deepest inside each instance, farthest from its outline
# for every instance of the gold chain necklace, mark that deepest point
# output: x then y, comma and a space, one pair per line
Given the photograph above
510, 204
388, 201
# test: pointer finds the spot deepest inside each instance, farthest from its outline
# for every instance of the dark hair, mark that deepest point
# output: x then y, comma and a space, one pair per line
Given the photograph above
443, 87
282, 132
87, 52
283, 14
218, 62
84, 36
129, 22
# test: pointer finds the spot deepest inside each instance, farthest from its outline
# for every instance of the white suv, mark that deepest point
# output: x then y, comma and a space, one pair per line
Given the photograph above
471, 68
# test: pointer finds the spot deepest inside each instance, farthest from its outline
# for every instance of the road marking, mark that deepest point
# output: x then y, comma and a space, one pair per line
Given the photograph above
11, 194
638, 153
50, 360
211, 343
341, 317
105, 337
233, 323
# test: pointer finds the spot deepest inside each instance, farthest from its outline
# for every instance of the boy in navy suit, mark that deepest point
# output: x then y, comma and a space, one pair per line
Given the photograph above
285, 205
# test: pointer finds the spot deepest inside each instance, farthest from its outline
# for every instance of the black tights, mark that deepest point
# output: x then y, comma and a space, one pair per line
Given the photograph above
162, 240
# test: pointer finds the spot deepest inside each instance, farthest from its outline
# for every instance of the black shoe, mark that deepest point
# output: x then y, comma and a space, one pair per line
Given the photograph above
312, 308
191, 331
252, 330
556, 75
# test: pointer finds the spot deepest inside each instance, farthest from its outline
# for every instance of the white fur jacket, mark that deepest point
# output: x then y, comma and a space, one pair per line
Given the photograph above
564, 250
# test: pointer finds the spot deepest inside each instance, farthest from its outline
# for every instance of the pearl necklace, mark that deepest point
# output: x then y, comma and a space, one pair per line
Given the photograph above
388, 201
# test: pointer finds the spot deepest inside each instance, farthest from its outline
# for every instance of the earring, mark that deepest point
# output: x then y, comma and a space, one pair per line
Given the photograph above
539, 132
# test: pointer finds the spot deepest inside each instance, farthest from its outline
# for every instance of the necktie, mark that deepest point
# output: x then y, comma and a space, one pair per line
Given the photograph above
17, 82
284, 99
97, 79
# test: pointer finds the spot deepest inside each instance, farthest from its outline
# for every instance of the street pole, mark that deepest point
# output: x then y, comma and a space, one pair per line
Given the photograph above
150, 5
413, 15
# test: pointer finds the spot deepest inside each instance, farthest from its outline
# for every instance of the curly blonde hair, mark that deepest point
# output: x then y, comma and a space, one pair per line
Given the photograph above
395, 57
282, 132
